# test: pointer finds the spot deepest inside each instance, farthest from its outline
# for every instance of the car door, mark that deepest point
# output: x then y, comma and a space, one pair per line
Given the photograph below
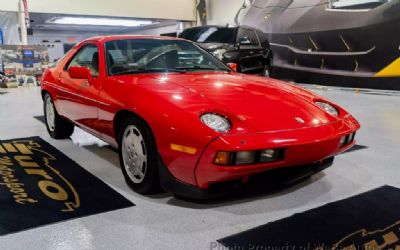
79, 96
252, 59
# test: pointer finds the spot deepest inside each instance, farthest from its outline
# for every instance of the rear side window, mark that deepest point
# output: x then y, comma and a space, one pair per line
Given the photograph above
210, 35
191, 34
87, 56
250, 34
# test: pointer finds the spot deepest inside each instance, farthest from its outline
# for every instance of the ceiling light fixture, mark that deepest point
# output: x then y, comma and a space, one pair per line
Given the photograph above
100, 21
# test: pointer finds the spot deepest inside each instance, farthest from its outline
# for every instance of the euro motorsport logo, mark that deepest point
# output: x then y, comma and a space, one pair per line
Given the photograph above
387, 238
24, 160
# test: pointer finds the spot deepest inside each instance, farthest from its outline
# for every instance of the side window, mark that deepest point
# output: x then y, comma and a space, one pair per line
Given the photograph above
247, 35
87, 56
191, 34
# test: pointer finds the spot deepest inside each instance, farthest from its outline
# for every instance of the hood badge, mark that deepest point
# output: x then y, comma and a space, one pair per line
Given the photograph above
299, 120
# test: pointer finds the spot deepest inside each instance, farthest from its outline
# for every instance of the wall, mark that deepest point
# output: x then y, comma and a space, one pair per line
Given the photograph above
222, 12
164, 9
38, 36
57, 49
8, 25
51, 36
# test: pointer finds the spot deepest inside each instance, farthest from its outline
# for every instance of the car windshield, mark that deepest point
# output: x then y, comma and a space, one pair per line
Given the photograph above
158, 55
210, 35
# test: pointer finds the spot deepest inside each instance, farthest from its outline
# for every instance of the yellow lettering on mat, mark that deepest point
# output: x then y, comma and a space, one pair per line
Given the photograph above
26, 161
23, 149
10, 148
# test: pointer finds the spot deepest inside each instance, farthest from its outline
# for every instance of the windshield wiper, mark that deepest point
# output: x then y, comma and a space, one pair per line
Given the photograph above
200, 68
149, 70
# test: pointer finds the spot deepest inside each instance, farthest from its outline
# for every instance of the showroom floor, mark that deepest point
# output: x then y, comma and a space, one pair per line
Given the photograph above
164, 222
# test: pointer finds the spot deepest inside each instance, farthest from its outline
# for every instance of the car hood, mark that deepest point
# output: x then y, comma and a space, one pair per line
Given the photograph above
252, 103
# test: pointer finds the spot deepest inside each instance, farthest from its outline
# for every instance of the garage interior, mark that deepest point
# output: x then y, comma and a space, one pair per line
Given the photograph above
165, 221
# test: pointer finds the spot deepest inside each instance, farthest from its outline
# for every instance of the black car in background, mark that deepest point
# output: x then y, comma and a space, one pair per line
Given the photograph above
246, 47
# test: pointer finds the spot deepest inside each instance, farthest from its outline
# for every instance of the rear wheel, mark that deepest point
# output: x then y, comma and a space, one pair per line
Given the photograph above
58, 127
138, 156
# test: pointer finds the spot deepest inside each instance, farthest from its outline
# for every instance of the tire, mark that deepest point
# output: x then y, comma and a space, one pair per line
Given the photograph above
138, 156
58, 127
266, 71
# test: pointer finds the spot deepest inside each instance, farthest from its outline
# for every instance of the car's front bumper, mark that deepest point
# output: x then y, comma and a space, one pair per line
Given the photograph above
306, 148
256, 183
301, 147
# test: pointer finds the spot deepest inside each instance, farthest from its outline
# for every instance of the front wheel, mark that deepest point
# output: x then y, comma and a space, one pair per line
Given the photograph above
57, 127
138, 156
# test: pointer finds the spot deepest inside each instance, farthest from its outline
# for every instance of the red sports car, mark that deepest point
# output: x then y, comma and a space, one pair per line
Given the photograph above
182, 119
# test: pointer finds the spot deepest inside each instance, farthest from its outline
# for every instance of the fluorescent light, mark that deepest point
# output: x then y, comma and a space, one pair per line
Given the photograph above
100, 21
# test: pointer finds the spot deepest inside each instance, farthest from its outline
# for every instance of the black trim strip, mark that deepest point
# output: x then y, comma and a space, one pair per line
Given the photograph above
323, 53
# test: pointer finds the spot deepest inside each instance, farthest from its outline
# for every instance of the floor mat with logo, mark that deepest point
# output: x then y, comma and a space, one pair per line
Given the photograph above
40, 185
367, 221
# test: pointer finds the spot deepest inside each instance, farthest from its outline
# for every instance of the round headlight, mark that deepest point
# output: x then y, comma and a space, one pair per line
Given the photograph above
328, 108
216, 122
219, 53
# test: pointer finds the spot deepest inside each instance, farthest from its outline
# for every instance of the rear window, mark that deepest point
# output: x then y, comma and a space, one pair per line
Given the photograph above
210, 35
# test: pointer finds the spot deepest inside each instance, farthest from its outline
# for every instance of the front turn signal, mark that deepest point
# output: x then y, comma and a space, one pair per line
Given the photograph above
222, 158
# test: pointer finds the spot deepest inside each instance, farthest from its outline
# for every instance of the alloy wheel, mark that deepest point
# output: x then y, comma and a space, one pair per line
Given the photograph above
134, 154
50, 114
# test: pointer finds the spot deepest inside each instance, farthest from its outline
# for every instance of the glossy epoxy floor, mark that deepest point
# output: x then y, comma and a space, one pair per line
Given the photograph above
164, 222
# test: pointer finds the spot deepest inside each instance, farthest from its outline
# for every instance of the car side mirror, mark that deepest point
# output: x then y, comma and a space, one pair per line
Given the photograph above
78, 72
244, 40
